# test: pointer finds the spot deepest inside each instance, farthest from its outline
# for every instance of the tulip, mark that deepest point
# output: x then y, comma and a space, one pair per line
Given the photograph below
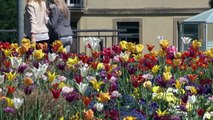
164, 44
139, 48
28, 81
71, 61
11, 89
104, 97
96, 85
130, 118
38, 54
67, 89
82, 87
1, 79
123, 45
167, 76
161, 113
10, 76
147, 84
196, 44
10, 102
7, 52
52, 56
51, 76
98, 106
88, 115
86, 100
155, 68
15, 62
18, 102
186, 40
55, 93
22, 68
84, 70
115, 94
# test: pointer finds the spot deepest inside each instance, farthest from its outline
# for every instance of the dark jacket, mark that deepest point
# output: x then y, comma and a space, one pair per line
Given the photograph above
59, 25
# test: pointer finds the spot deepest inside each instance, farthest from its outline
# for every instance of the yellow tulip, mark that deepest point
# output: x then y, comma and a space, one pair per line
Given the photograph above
208, 53
96, 85
130, 118
51, 76
167, 76
61, 49
7, 52
164, 44
9, 102
177, 62
123, 45
61, 85
104, 97
139, 48
14, 46
138, 56
155, 68
130, 47
193, 90
156, 89
196, 44
100, 66
167, 68
71, 61
10, 76
161, 113
38, 54
177, 84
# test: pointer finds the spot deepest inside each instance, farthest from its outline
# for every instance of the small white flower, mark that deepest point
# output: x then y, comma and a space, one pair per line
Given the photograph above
160, 37
52, 56
44, 78
1, 79
98, 106
67, 89
192, 99
186, 40
147, 76
116, 94
82, 87
0, 90
15, 62
92, 41
18, 102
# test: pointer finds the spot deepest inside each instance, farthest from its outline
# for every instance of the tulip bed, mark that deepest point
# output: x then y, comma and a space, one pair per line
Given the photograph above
118, 83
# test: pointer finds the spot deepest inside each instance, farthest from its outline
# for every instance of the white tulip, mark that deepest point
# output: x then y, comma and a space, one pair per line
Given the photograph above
1, 79
186, 40
52, 56
15, 62
82, 87
98, 106
17, 102
84, 70
192, 99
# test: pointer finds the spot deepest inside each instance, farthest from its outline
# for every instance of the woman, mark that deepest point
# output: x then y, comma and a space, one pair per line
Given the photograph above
36, 20
60, 28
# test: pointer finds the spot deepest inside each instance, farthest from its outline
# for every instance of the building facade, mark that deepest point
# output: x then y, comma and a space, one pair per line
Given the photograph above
143, 20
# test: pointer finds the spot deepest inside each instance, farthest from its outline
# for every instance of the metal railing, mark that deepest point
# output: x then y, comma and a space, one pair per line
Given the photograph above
109, 37
107, 40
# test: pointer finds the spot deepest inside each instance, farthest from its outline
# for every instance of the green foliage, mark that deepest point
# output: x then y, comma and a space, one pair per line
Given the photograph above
8, 19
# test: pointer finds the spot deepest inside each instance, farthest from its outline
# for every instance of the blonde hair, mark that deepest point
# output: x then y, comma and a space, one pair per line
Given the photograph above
39, 1
62, 6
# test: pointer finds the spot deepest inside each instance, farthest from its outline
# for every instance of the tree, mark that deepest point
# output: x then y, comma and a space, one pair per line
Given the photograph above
8, 19
211, 3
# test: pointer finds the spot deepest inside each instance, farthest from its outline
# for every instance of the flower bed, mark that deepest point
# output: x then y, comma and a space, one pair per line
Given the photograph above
118, 83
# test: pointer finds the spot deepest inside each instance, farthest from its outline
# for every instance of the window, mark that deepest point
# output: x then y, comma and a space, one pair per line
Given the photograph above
132, 31
74, 3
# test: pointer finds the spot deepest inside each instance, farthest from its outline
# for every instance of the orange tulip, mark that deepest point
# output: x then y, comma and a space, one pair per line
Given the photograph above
88, 115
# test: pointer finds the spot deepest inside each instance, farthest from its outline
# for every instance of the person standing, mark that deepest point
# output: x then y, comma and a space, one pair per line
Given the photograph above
36, 19
59, 22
